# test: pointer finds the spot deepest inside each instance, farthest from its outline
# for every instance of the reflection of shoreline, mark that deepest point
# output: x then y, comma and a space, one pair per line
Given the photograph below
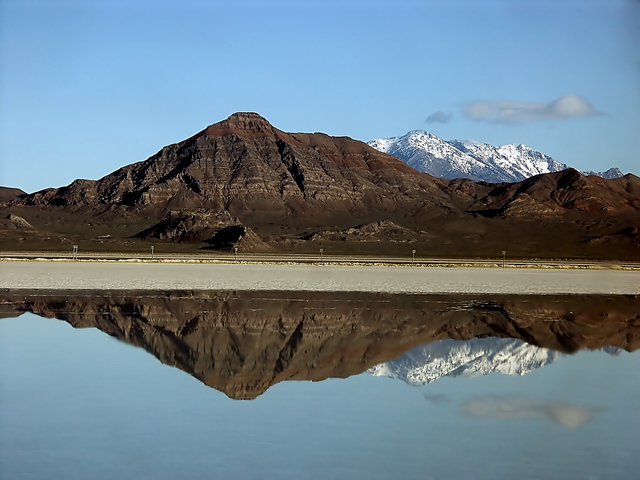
241, 343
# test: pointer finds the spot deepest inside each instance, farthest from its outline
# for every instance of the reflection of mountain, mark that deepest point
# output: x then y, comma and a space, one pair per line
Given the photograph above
241, 343
470, 358
479, 356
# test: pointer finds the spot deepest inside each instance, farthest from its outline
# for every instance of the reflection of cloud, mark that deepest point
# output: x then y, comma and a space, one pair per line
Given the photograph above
438, 399
503, 111
439, 117
571, 416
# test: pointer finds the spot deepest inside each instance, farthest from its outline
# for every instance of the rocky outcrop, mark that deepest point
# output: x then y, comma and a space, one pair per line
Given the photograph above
220, 231
18, 222
16, 228
237, 236
241, 343
369, 232
184, 227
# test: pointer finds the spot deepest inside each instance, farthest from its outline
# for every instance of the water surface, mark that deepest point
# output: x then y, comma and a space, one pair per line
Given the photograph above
423, 395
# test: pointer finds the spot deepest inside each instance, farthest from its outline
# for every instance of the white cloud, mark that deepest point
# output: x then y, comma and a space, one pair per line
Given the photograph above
501, 111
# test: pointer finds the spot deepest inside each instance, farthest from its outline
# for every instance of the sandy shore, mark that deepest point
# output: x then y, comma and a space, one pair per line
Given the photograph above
168, 276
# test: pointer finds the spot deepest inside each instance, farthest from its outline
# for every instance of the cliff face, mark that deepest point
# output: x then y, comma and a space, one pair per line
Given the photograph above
243, 343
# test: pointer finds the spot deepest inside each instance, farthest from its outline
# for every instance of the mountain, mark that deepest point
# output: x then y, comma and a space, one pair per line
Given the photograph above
428, 153
471, 159
243, 183
242, 343
258, 173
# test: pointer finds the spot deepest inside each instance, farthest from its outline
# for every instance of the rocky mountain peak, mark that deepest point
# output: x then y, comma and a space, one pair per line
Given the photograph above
243, 123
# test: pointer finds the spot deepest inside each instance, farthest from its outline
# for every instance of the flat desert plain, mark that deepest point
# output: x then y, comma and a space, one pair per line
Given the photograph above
68, 275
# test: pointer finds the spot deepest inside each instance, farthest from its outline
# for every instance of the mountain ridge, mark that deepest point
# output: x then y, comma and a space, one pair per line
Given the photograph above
243, 182
478, 161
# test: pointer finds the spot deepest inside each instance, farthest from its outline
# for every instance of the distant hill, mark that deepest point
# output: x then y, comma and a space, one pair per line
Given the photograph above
242, 183
478, 161
9, 194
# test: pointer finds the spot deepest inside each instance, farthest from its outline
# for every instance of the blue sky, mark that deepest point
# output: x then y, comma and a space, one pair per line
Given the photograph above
89, 86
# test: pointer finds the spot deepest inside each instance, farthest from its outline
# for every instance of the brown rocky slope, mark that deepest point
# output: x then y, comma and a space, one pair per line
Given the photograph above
282, 188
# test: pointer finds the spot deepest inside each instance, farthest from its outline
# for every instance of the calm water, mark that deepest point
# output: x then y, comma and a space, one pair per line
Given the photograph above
78, 403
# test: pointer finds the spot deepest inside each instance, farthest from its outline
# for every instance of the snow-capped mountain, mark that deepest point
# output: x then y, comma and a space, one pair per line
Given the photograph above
428, 153
480, 356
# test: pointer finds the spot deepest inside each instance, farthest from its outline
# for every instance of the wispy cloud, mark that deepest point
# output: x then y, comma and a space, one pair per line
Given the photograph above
504, 111
439, 117
571, 416
437, 399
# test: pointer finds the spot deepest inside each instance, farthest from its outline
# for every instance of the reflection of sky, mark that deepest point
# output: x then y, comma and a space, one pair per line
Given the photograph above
77, 404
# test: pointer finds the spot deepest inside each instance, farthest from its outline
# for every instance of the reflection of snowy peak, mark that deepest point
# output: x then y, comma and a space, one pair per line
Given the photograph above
452, 358
470, 159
